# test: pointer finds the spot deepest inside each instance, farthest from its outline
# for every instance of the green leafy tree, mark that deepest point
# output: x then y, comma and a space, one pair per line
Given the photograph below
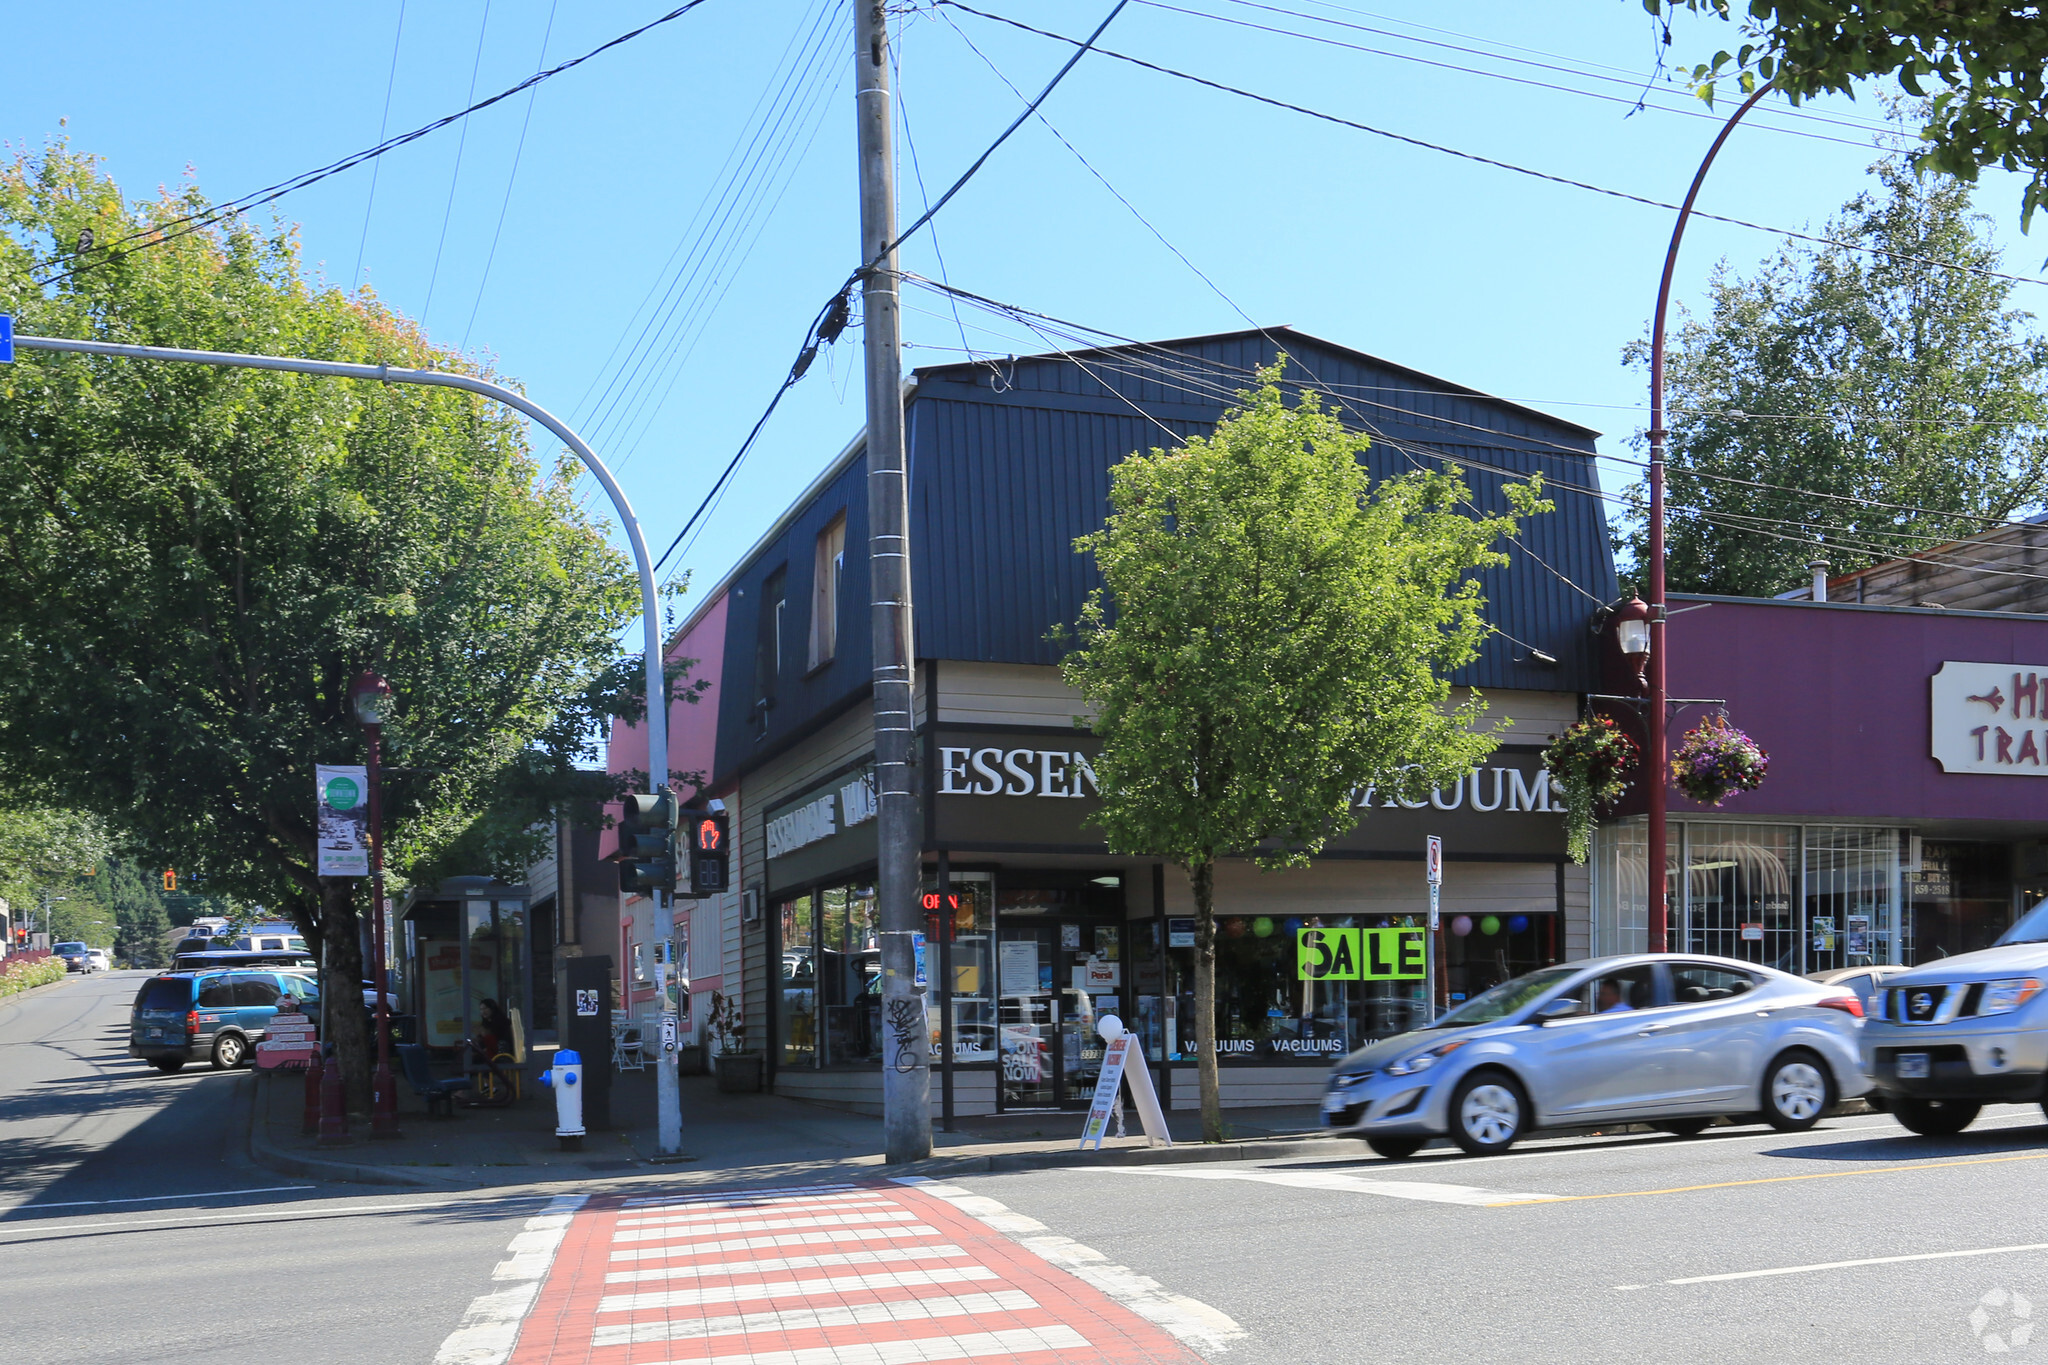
142, 921
1875, 383
1981, 64
201, 560
1270, 638
48, 856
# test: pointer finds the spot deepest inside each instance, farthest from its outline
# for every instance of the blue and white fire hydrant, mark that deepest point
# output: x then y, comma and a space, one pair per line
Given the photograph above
565, 1078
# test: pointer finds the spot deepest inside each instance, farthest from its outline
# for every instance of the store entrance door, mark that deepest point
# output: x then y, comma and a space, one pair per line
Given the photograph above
1054, 979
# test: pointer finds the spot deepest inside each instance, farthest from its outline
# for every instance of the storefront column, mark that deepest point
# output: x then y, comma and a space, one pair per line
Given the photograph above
943, 922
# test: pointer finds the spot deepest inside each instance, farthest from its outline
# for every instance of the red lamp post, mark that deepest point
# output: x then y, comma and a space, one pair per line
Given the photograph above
1654, 751
372, 700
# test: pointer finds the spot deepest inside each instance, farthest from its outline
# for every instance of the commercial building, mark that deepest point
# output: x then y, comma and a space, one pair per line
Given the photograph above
1036, 929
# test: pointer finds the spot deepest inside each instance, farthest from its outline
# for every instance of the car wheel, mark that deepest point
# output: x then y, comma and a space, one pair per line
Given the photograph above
167, 1065
228, 1052
1935, 1118
1397, 1147
1684, 1128
1797, 1091
1488, 1113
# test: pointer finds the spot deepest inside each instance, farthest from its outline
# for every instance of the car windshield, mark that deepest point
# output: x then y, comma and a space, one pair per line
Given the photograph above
69, 948
2032, 927
1504, 999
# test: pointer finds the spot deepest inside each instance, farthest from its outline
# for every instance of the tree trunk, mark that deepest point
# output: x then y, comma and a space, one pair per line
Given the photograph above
341, 987
1202, 879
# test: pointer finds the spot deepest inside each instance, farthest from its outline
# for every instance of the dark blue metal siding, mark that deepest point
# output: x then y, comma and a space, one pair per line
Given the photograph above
1010, 462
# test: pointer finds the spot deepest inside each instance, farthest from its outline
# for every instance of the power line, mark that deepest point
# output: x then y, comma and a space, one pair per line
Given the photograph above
511, 178
1487, 160
383, 127
455, 177
171, 229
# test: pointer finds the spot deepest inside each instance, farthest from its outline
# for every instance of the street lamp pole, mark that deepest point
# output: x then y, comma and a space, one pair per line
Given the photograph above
371, 698
669, 1140
1660, 692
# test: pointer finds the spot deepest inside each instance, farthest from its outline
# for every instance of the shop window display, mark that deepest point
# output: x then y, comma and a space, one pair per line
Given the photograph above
1850, 878
1739, 886
1961, 898
1481, 951
797, 1017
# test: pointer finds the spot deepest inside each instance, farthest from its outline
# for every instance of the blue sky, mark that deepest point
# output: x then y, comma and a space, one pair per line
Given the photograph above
717, 153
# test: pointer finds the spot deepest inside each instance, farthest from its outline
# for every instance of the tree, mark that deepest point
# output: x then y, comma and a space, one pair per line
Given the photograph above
47, 860
201, 560
1861, 385
142, 921
1271, 637
1984, 61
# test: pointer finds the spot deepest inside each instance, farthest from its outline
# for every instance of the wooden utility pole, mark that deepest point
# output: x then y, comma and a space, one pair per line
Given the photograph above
906, 1059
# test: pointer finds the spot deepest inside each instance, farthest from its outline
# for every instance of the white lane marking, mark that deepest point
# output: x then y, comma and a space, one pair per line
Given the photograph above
935, 1251
831, 1203
808, 1319
1207, 1329
490, 1328
831, 1220
722, 1196
775, 1289
1850, 1265
791, 1239
306, 1210
32, 1207
972, 1346
1427, 1191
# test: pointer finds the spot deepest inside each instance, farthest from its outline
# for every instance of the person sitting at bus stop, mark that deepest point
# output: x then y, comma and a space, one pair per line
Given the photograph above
1612, 997
493, 1030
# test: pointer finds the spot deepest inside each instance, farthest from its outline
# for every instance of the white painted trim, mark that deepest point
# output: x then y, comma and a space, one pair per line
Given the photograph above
490, 1328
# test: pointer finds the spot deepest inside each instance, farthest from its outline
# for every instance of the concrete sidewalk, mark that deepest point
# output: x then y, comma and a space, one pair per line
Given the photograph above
755, 1138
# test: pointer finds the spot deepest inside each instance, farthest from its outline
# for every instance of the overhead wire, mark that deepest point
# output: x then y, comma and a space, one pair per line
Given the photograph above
183, 225
383, 127
511, 179
476, 67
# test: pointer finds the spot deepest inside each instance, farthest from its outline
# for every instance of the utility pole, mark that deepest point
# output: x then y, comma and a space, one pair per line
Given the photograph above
906, 1062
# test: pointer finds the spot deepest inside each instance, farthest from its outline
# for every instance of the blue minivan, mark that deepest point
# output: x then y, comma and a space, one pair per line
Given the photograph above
220, 1015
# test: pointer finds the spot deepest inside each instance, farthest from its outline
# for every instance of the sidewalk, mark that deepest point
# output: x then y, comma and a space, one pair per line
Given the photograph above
757, 1138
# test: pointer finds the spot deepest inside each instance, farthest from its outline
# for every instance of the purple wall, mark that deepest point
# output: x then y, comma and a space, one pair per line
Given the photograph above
1837, 695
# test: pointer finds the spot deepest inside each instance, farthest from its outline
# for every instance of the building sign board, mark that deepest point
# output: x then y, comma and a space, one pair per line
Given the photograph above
1989, 718
1360, 954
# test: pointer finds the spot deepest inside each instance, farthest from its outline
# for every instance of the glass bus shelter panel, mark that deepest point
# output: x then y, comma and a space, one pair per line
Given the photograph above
1738, 893
1852, 876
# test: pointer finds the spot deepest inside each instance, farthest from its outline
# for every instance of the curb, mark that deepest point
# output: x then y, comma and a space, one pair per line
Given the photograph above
263, 1152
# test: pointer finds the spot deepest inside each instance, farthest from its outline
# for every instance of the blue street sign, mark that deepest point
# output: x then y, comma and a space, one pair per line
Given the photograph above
6, 339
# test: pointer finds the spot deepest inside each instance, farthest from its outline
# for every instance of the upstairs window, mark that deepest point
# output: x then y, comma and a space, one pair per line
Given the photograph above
825, 581
768, 646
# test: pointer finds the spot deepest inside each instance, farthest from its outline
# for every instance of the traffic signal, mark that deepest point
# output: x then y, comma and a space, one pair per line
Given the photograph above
647, 844
709, 839
170, 879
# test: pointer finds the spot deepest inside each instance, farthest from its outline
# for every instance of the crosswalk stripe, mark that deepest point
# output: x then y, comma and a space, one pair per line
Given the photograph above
775, 1289
700, 1214
823, 1220
812, 1319
937, 1251
894, 1232
971, 1346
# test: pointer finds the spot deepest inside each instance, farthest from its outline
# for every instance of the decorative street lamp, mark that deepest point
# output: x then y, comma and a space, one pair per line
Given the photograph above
1631, 621
372, 700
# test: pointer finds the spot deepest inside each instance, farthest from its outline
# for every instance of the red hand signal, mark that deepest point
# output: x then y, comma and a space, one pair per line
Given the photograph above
707, 835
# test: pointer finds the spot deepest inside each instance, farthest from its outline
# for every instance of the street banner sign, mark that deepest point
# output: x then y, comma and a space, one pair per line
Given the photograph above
6, 339
344, 831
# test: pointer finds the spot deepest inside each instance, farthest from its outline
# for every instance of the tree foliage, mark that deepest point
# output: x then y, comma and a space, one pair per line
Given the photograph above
1984, 66
201, 560
1878, 384
1271, 637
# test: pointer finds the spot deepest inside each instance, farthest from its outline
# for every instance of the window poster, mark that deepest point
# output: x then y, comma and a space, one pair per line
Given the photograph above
1017, 967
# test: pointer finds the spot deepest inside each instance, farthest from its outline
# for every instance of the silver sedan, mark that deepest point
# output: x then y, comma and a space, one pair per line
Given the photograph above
1667, 1039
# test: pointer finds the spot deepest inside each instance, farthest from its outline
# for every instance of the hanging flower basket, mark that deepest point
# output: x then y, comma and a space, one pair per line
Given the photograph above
1717, 760
1592, 762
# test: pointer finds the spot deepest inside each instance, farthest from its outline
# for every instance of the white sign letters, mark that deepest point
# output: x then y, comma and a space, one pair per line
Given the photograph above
1015, 772
1990, 718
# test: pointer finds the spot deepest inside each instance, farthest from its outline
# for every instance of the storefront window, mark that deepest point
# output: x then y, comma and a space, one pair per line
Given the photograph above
1850, 876
1739, 886
1483, 950
797, 1018
1961, 899
1621, 901
968, 907
849, 973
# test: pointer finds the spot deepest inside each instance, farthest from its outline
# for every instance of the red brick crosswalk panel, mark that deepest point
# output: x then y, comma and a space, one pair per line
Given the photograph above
824, 1275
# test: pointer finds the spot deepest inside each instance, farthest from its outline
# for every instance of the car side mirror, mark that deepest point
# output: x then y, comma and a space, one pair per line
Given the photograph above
1564, 1007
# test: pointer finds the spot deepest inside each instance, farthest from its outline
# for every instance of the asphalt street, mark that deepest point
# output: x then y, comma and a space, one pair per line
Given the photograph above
132, 1227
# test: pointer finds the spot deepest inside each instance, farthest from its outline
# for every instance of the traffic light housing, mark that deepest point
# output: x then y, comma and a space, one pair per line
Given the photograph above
708, 838
170, 879
647, 844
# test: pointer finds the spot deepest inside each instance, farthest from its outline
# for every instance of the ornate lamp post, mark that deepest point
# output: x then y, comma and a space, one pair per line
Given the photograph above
372, 700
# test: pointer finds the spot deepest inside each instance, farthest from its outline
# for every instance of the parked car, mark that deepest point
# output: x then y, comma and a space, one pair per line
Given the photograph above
217, 1015
1865, 981
1668, 1039
1950, 1037
102, 961
77, 957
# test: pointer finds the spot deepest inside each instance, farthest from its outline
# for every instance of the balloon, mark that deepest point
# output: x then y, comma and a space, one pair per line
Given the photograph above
1518, 923
1233, 927
1462, 925
1262, 927
1294, 923
1490, 925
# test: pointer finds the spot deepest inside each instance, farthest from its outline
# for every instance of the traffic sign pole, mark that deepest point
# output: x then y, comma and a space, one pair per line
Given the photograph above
1432, 948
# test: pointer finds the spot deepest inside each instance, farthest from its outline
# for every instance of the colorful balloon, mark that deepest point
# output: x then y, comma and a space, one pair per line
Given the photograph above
1462, 925
1262, 927
1490, 925
1518, 924
1233, 927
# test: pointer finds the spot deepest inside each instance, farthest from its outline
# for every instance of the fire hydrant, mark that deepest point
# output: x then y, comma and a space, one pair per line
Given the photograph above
565, 1078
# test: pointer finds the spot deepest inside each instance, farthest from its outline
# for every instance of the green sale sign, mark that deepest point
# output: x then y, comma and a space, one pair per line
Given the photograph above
1359, 954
